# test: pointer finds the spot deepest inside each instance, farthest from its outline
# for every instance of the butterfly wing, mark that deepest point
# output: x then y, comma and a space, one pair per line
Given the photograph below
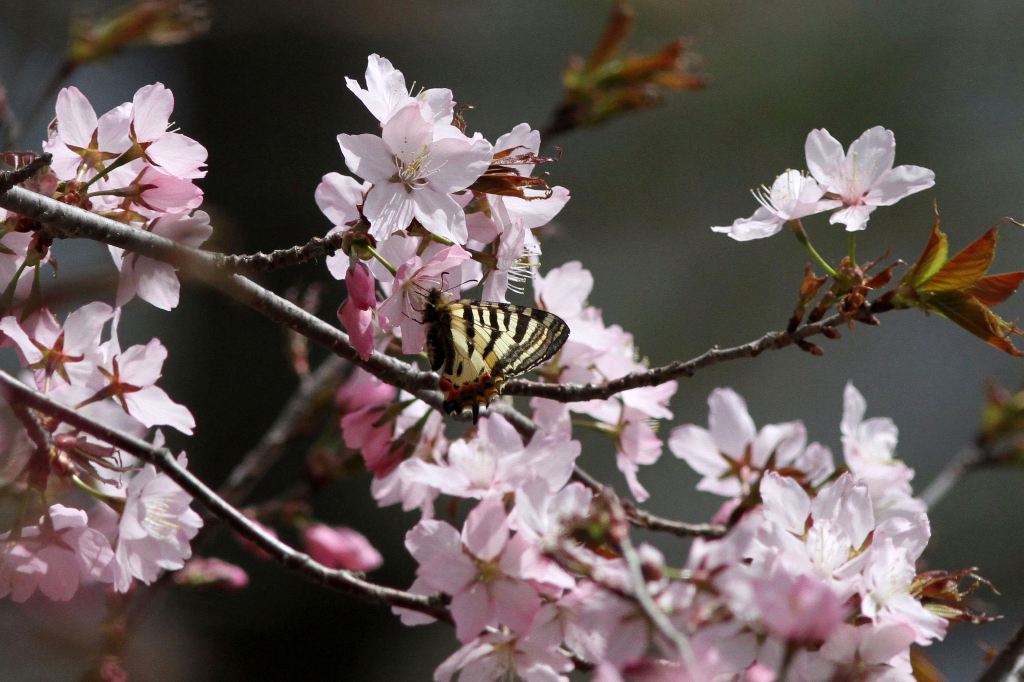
478, 345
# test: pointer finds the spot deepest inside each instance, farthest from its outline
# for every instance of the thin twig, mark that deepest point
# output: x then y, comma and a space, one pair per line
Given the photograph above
292, 419
956, 468
9, 179
1009, 661
773, 340
642, 518
643, 597
347, 581
314, 249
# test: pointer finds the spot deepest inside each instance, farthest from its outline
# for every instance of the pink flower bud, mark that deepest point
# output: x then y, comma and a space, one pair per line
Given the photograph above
340, 547
213, 572
360, 284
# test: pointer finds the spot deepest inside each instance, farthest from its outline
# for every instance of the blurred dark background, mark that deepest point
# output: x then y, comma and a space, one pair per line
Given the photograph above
264, 92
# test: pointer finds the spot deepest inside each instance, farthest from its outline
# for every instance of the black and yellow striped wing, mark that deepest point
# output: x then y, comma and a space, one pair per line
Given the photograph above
477, 345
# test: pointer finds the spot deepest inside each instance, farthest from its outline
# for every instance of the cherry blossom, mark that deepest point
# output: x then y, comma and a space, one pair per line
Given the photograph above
130, 378
211, 572
67, 353
731, 453
339, 197
413, 281
82, 140
533, 657
386, 93
792, 195
479, 569
177, 154
863, 177
155, 528
414, 174
357, 312
53, 556
156, 282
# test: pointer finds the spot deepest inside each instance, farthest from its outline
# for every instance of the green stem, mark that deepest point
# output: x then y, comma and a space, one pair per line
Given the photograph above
801, 236
852, 248
127, 157
115, 503
381, 259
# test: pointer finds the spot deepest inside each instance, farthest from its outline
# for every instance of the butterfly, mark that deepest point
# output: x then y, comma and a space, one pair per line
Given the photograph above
478, 345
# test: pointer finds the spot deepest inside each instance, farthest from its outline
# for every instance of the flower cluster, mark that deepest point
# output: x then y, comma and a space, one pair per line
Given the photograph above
120, 521
814, 576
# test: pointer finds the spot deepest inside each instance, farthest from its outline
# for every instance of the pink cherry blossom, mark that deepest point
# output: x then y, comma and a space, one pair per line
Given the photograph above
151, 280
57, 353
533, 657
414, 174
478, 569
496, 460
793, 195
638, 445
82, 141
512, 264
53, 556
15, 262
130, 378
863, 178
799, 609
339, 197
386, 93
175, 153
888, 577
869, 447
413, 281
401, 485
564, 290
155, 529
160, 192
340, 547
731, 453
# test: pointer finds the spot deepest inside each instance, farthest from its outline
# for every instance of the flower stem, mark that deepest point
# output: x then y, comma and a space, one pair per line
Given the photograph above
801, 236
852, 250
381, 259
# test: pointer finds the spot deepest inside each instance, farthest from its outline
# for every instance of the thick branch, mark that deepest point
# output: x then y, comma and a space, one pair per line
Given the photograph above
70, 221
682, 368
346, 581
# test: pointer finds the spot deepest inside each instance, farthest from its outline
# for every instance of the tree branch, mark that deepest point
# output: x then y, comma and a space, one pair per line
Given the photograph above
315, 248
645, 519
71, 221
1009, 660
773, 340
347, 581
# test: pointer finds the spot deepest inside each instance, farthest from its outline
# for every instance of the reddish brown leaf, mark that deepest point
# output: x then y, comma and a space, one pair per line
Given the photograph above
934, 256
994, 289
971, 314
967, 267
